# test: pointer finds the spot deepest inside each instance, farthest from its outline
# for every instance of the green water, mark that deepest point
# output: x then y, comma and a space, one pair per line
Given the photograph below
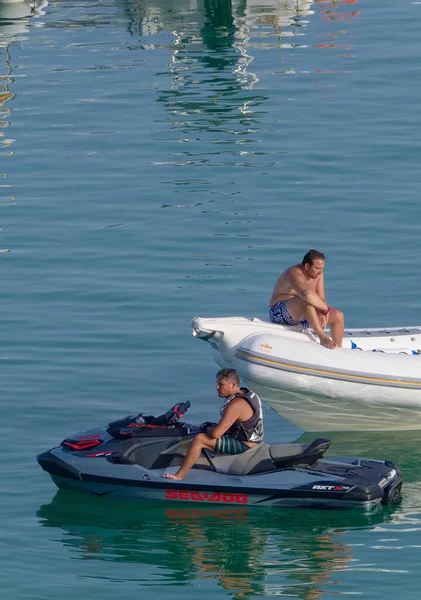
164, 160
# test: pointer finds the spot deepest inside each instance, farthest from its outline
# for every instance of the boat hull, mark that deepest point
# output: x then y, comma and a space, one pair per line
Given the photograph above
321, 413
372, 384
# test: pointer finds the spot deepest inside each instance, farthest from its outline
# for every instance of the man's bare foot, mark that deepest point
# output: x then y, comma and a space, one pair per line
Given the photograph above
327, 343
170, 476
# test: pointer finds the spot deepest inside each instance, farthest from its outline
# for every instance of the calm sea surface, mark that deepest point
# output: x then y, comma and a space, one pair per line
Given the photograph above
161, 160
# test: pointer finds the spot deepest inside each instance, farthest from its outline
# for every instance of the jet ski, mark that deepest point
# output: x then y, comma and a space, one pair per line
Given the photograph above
128, 458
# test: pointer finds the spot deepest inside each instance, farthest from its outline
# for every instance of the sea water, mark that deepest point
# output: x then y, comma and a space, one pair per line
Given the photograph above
162, 160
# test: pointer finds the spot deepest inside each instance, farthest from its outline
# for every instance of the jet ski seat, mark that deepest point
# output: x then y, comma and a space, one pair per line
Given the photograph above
265, 458
305, 455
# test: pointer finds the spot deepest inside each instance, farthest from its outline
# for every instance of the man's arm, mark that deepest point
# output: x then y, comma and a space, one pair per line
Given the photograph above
320, 287
300, 286
231, 414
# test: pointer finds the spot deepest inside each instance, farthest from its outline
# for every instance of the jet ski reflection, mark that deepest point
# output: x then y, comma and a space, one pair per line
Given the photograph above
240, 548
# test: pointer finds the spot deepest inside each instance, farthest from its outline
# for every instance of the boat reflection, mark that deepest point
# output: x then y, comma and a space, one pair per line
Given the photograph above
15, 18
221, 58
149, 18
246, 552
219, 25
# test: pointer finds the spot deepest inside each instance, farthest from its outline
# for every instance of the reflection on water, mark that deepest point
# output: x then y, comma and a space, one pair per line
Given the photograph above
223, 56
148, 18
333, 10
15, 19
117, 85
5, 96
211, 54
247, 552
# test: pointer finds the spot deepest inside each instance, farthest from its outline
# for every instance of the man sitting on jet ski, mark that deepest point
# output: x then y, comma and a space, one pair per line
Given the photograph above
240, 426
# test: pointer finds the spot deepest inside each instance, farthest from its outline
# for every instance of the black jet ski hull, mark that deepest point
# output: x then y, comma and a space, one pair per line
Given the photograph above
211, 497
317, 492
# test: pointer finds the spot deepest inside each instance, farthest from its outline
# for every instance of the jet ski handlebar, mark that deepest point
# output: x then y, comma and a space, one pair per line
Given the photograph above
131, 423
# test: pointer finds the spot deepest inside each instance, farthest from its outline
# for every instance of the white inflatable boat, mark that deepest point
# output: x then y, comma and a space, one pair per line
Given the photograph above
372, 383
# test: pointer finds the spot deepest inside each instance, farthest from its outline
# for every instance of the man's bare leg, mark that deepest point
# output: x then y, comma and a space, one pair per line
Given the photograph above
336, 321
299, 308
202, 440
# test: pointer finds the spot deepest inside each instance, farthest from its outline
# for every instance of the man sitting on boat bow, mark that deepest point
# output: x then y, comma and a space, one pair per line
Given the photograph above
239, 429
299, 299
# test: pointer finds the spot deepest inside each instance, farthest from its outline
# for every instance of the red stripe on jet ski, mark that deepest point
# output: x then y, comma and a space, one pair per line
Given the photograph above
86, 445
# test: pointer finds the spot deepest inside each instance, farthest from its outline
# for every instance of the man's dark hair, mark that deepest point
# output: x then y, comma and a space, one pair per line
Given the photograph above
230, 374
311, 256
